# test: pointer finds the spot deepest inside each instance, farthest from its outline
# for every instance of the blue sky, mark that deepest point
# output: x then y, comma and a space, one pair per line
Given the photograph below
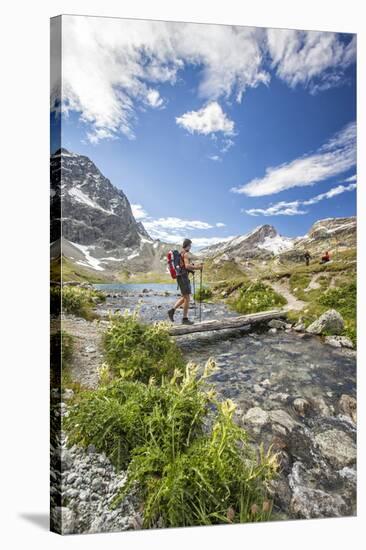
217, 130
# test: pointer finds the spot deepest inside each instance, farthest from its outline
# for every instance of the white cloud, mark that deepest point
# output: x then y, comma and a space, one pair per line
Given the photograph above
281, 208
316, 60
333, 158
216, 158
138, 212
175, 223
175, 230
153, 98
111, 66
284, 208
208, 120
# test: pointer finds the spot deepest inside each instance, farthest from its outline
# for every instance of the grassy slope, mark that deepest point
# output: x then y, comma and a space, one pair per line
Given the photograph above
73, 272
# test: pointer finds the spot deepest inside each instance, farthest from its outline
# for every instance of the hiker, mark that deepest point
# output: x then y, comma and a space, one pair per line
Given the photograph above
325, 258
184, 283
307, 257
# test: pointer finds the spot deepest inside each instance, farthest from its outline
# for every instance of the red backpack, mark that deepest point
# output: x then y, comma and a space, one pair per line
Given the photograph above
175, 263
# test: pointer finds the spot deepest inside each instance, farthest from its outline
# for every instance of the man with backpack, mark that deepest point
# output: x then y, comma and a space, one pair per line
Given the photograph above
180, 267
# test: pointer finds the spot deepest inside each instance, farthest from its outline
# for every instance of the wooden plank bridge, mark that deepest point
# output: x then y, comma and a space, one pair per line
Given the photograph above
228, 323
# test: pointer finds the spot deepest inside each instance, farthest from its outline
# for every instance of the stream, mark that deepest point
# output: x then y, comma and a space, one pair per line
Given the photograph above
293, 393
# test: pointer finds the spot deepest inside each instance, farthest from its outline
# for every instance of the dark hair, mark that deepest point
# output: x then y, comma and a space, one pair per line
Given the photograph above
186, 243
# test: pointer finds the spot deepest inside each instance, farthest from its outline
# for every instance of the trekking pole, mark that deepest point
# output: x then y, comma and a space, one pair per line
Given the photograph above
194, 295
200, 296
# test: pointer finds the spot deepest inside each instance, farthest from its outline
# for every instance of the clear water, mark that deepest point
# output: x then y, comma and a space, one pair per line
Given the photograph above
266, 370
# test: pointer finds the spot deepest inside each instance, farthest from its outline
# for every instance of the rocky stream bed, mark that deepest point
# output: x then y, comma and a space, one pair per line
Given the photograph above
293, 391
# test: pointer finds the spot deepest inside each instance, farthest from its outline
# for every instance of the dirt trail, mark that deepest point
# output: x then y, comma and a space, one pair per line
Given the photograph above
87, 355
282, 287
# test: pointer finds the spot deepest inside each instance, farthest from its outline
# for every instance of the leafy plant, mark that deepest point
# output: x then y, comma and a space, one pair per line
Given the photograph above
187, 459
203, 293
124, 415
76, 300
257, 296
138, 351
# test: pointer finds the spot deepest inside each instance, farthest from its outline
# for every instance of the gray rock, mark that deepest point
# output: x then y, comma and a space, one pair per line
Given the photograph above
272, 330
257, 417
337, 447
301, 406
348, 406
283, 419
321, 406
339, 342
277, 323
67, 521
313, 503
299, 327
331, 321
68, 393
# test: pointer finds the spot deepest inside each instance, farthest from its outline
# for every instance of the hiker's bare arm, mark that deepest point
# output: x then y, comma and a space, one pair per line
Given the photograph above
190, 266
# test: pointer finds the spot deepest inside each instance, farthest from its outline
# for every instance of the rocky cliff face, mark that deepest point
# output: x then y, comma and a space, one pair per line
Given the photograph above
93, 210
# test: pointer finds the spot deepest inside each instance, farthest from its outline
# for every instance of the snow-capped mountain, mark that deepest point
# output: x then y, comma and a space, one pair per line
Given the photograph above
262, 242
93, 210
99, 231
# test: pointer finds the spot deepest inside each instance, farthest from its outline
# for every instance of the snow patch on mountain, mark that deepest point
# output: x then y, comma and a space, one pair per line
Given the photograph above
277, 244
90, 261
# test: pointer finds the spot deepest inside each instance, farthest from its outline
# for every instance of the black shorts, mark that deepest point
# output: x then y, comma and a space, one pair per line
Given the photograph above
184, 284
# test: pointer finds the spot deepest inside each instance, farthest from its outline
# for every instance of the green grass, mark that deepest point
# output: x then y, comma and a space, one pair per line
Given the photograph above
224, 271
343, 299
203, 293
72, 272
75, 300
138, 351
255, 297
188, 461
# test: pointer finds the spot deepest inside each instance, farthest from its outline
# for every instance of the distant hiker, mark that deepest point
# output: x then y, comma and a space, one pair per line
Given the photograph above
180, 267
307, 257
325, 258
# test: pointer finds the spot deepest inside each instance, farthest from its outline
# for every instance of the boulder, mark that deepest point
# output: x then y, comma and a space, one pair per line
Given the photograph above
257, 417
337, 447
283, 419
299, 327
301, 406
348, 406
277, 323
339, 341
313, 503
331, 321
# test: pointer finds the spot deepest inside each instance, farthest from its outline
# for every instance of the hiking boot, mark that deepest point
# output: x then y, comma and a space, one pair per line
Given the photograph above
186, 321
171, 314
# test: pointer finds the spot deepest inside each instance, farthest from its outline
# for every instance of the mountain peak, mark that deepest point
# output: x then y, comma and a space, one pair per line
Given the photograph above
61, 151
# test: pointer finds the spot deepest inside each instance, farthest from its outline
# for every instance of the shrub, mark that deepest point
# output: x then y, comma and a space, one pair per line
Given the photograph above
138, 351
124, 415
76, 300
257, 296
187, 459
203, 293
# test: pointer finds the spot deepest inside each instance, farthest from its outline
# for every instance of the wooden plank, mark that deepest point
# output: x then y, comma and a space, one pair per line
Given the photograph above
231, 322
